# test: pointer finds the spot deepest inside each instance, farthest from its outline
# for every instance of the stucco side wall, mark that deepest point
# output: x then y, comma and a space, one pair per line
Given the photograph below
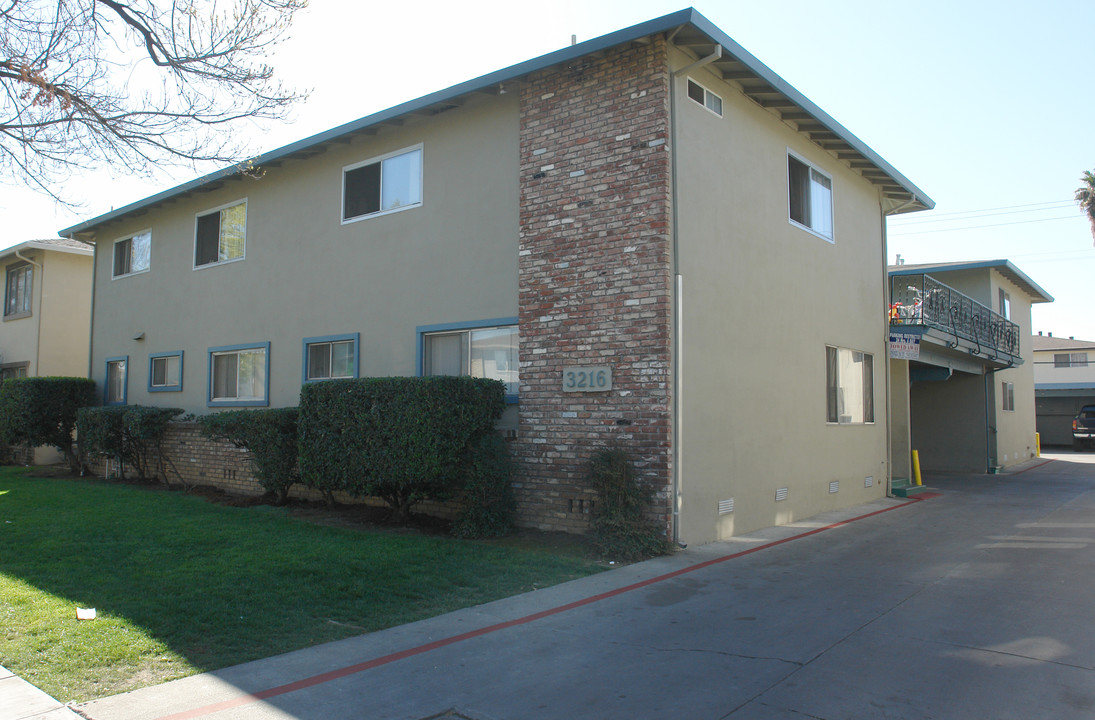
305, 274
19, 336
1015, 428
65, 304
900, 420
761, 300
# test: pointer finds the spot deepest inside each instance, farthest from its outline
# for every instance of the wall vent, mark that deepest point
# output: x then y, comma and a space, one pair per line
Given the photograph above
726, 506
868, 481
781, 494
834, 487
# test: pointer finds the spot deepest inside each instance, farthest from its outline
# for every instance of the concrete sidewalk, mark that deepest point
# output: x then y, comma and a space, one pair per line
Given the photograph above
973, 603
19, 700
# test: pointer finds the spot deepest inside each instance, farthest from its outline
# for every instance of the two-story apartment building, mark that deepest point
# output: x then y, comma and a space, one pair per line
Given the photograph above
962, 380
47, 312
651, 237
1064, 381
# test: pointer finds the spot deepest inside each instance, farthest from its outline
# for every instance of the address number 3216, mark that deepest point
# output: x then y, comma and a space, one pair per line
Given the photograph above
587, 379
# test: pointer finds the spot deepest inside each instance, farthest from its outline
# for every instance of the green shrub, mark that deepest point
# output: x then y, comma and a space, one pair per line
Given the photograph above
42, 411
489, 505
621, 529
399, 439
271, 437
130, 434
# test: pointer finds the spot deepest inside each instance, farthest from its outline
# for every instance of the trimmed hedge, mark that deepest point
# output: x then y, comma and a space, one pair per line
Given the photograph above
42, 411
130, 434
489, 504
271, 437
401, 439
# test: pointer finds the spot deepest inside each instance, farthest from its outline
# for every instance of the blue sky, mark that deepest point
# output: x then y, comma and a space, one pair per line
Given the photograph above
986, 106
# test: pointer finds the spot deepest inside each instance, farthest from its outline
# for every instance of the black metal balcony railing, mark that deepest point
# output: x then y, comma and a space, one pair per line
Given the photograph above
924, 301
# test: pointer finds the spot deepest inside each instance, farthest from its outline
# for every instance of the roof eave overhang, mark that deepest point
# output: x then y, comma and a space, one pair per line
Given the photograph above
689, 28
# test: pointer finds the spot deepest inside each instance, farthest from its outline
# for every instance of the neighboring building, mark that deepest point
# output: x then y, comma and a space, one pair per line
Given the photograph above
47, 312
962, 380
650, 237
1064, 381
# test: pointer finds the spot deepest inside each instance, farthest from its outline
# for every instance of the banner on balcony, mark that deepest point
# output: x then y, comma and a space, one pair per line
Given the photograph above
904, 346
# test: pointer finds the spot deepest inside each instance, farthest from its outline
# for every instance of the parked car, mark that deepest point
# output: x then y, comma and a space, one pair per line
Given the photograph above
1083, 428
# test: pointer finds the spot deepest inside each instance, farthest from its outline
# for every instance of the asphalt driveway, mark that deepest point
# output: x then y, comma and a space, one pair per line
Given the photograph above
973, 603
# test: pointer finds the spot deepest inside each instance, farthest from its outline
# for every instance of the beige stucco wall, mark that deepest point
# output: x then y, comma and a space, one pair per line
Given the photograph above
900, 420
761, 300
305, 274
19, 336
65, 302
53, 339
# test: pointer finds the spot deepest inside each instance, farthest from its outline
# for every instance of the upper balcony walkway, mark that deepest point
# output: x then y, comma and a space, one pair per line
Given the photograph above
923, 305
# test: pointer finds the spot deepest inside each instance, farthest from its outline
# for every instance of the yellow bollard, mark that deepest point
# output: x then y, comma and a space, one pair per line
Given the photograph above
916, 468
1037, 444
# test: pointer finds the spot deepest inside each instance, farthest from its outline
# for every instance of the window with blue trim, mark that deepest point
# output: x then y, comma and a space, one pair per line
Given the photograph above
165, 372
330, 356
239, 374
117, 380
486, 352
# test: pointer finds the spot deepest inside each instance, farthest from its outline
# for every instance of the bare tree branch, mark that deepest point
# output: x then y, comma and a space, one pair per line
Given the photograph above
133, 83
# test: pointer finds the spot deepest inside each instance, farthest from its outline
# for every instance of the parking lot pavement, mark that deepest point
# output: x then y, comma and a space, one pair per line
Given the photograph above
973, 603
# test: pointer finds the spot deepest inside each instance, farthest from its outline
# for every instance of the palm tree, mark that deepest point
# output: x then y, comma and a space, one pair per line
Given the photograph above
1085, 197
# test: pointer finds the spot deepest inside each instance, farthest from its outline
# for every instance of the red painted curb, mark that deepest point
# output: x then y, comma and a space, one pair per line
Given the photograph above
420, 649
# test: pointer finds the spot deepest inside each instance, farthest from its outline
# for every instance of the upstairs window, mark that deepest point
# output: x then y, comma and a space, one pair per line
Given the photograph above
17, 291
382, 185
810, 198
220, 235
705, 97
1005, 304
1007, 400
1064, 360
485, 352
11, 371
133, 254
849, 386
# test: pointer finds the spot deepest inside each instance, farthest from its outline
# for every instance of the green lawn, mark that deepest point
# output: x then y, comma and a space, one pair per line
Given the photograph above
181, 585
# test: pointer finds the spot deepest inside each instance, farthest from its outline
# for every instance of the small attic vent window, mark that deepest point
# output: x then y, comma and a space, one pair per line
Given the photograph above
705, 97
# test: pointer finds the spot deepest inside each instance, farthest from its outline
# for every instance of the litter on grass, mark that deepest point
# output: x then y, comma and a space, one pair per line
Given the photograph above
85, 613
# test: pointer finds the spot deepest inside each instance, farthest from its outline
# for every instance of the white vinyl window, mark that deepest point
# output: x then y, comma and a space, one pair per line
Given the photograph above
705, 97
238, 375
480, 352
382, 185
1005, 304
810, 197
133, 254
849, 386
220, 235
1007, 396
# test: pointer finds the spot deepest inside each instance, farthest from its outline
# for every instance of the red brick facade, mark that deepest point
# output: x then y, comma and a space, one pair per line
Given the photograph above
595, 275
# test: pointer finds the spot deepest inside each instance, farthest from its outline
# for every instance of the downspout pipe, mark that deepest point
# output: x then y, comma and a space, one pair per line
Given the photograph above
988, 423
678, 284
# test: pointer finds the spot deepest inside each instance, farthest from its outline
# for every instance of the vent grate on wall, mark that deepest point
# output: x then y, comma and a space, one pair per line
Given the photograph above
834, 487
868, 481
781, 494
726, 506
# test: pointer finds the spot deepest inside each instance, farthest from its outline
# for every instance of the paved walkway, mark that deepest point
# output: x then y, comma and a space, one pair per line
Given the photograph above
971, 604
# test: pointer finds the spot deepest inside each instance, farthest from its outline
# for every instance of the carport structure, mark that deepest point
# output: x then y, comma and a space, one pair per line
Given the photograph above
961, 384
